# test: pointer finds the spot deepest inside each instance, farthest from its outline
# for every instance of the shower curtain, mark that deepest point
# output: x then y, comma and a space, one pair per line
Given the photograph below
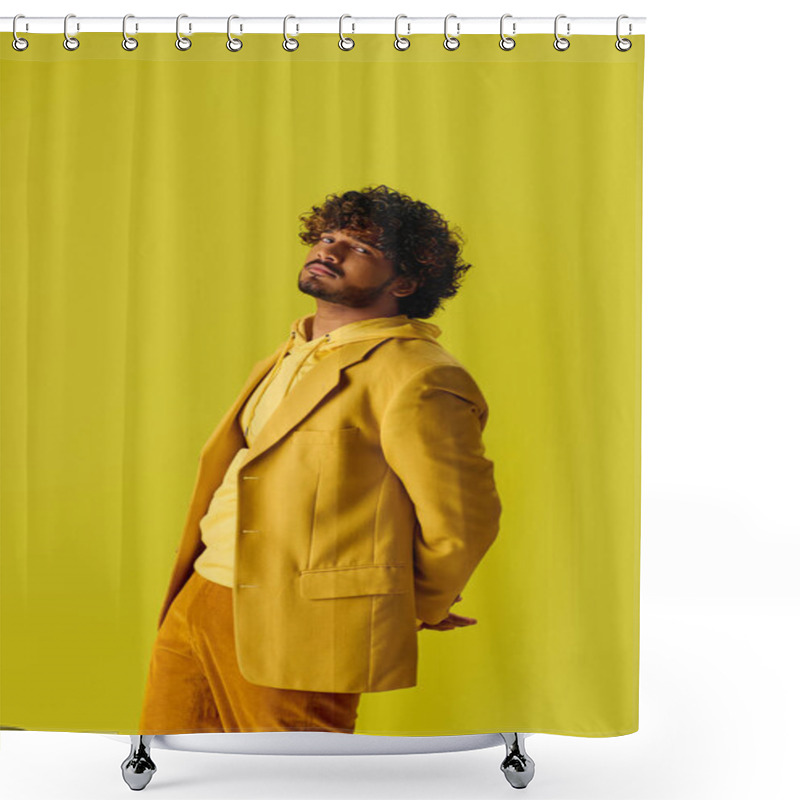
151, 212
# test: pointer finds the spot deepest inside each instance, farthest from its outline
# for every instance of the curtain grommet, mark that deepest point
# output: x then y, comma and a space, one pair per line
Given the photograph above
233, 44
560, 43
182, 43
451, 42
290, 44
400, 42
18, 43
70, 42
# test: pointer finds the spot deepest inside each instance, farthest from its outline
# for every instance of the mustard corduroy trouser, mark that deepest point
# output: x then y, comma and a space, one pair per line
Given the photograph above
194, 684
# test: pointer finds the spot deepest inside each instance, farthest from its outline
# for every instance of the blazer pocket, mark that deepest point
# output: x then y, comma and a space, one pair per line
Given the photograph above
318, 584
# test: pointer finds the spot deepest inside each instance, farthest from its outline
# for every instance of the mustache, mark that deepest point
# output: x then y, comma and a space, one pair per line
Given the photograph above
334, 270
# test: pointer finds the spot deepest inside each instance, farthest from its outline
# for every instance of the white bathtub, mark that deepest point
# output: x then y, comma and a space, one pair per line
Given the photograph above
138, 768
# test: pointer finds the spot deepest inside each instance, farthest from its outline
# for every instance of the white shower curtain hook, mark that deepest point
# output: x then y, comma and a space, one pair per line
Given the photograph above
560, 43
623, 45
182, 43
401, 43
70, 42
289, 43
128, 42
345, 42
506, 42
18, 43
233, 44
451, 42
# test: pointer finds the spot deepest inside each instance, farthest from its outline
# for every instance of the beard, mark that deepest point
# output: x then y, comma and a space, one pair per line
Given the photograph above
351, 296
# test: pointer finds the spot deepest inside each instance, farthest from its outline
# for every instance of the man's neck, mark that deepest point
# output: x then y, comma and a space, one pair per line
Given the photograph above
322, 322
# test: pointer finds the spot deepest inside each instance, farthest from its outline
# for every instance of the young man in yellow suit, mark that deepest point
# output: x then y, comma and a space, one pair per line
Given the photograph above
343, 501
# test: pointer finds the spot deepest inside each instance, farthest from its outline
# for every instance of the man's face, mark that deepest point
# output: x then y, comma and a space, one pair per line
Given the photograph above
343, 269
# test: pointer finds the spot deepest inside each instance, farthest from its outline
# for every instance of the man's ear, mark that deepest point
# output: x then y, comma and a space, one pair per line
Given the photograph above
405, 286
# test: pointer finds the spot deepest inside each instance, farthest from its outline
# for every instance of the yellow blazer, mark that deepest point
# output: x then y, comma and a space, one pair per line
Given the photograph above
366, 502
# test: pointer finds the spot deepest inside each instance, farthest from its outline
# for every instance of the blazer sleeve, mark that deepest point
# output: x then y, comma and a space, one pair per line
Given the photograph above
431, 435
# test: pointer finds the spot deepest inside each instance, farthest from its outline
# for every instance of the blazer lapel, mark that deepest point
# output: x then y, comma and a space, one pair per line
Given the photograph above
303, 397
307, 393
227, 429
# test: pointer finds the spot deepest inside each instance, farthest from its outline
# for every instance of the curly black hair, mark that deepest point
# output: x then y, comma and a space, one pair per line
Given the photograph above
411, 234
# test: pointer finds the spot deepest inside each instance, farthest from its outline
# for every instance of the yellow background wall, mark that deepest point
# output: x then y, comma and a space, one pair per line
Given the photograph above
149, 253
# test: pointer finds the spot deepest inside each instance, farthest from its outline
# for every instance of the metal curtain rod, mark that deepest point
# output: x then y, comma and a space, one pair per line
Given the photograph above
600, 26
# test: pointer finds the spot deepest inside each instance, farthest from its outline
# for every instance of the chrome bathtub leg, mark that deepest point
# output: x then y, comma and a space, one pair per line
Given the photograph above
138, 768
517, 766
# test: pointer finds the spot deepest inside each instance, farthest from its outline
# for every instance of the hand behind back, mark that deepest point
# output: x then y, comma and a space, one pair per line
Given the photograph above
450, 622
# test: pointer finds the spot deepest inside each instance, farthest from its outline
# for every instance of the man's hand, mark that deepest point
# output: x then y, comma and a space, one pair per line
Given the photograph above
449, 622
